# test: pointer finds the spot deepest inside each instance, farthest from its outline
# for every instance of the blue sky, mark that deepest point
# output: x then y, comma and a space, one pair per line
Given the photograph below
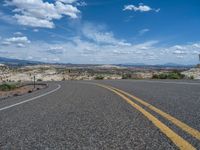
101, 31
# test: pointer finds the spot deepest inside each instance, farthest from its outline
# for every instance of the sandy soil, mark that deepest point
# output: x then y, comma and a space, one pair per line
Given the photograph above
20, 91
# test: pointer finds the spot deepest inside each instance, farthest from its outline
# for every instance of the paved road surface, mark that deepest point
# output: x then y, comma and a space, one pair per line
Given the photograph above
84, 115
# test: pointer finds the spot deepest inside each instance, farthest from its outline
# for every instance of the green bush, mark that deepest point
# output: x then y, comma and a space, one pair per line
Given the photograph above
126, 76
170, 75
99, 78
163, 76
155, 76
192, 77
173, 76
7, 87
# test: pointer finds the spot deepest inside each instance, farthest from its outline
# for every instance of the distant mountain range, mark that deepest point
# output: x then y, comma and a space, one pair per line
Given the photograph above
19, 62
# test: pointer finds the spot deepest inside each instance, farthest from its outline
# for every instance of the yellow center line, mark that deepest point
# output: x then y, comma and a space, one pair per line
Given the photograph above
195, 133
175, 138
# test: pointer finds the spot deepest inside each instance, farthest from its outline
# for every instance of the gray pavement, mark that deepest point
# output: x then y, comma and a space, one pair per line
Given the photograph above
84, 116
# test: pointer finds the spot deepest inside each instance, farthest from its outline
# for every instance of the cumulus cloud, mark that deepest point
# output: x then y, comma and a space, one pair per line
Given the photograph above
187, 53
67, 1
17, 41
33, 21
179, 52
96, 44
196, 45
37, 13
18, 33
140, 8
89, 51
179, 47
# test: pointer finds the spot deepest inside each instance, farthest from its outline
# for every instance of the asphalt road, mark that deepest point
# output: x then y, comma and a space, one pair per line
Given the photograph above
86, 115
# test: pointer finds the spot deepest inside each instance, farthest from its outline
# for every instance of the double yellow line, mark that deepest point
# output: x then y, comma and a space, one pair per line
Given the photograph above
174, 137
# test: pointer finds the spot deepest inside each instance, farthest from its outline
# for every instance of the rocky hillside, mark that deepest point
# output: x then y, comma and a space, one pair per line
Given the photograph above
194, 73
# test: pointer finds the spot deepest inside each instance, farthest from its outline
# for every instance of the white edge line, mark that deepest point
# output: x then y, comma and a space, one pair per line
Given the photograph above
31, 99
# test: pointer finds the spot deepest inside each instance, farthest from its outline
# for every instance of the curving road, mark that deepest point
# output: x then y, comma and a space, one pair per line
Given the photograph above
122, 114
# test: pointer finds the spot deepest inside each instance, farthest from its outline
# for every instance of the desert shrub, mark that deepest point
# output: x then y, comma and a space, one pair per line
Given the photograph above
163, 76
170, 75
16, 94
7, 87
99, 77
173, 76
126, 76
155, 76
192, 77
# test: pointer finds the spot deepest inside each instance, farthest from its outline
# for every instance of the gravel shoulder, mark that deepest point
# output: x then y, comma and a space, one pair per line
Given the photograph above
21, 90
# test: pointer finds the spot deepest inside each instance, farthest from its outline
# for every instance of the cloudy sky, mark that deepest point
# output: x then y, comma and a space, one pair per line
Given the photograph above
101, 31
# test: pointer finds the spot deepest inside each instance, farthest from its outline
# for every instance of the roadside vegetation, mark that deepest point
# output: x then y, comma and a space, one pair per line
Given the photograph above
7, 87
99, 77
126, 76
191, 77
169, 75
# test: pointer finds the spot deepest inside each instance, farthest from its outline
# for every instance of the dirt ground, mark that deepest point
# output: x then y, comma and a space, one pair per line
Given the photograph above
20, 91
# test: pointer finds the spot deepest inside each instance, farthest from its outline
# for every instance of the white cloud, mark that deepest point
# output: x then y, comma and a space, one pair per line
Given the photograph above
18, 33
180, 56
178, 47
17, 41
96, 44
33, 21
55, 49
6, 18
75, 2
179, 52
35, 30
146, 45
67, 1
157, 10
99, 35
186, 54
196, 45
67, 9
143, 31
196, 52
82, 3
141, 8
92, 52
37, 13
20, 45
